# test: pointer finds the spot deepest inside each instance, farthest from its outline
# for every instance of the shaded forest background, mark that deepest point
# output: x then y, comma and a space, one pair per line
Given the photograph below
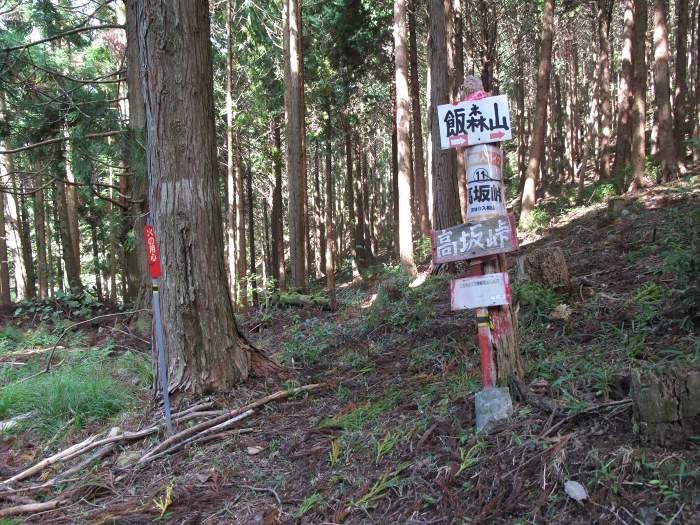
613, 106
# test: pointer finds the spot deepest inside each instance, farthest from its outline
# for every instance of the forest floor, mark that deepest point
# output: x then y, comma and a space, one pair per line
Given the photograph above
391, 437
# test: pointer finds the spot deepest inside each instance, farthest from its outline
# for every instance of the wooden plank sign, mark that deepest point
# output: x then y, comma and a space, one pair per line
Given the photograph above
475, 239
152, 252
479, 292
473, 122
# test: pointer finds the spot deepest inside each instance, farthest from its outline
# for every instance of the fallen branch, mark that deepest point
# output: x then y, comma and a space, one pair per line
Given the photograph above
197, 429
31, 508
588, 410
148, 458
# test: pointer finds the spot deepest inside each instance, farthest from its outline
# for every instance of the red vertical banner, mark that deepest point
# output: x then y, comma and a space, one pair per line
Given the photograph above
152, 252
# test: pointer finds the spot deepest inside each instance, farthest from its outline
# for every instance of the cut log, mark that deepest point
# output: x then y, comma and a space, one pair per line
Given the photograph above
548, 266
300, 300
667, 405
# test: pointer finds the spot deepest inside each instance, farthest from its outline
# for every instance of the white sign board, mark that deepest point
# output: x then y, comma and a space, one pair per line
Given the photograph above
481, 291
473, 122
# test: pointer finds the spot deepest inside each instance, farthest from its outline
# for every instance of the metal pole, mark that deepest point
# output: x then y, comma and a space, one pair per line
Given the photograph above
162, 368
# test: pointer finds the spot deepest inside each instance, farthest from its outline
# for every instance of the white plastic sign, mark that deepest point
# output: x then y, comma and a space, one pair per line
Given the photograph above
481, 291
473, 122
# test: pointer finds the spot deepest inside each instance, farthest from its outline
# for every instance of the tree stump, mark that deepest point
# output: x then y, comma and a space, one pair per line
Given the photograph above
667, 405
548, 266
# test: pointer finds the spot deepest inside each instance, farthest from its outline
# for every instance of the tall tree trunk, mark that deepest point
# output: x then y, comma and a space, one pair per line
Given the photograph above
446, 211
72, 202
24, 264
40, 228
138, 277
241, 263
251, 236
359, 233
330, 257
696, 131
277, 212
231, 251
96, 258
603, 18
403, 123
624, 94
680, 104
58, 271
204, 348
294, 87
421, 198
5, 298
572, 108
458, 45
668, 169
639, 96
489, 30
395, 238
320, 248
540, 117
72, 264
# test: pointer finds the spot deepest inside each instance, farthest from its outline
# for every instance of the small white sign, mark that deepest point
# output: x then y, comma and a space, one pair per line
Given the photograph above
474, 122
481, 291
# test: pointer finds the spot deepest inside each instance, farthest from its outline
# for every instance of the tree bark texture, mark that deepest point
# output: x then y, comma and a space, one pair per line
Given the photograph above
330, 256
295, 156
624, 94
420, 195
668, 168
603, 19
639, 93
403, 137
204, 348
277, 212
681, 91
540, 117
446, 210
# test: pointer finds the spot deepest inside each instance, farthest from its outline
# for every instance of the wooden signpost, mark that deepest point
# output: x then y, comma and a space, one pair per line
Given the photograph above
475, 124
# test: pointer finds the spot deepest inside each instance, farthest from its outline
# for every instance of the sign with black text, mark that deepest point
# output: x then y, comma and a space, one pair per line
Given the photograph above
473, 122
475, 239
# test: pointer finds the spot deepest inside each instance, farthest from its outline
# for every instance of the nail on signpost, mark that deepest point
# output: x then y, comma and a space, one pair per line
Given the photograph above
154, 269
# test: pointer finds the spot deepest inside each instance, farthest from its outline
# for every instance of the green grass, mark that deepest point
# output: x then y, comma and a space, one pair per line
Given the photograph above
86, 392
357, 419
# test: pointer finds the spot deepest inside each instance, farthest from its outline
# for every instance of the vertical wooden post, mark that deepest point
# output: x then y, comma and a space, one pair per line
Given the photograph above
504, 360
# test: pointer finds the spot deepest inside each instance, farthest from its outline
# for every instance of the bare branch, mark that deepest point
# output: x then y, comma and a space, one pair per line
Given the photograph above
61, 139
64, 34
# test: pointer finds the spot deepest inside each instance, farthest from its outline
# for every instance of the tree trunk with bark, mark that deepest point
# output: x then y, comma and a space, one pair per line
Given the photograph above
668, 169
639, 95
603, 18
681, 91
251, 236
293, 90
403, 137
230, 163
421, 198
241, 263
330, 256
446, 210
204, 348
40, 229
624, 94
540, 117
277, 213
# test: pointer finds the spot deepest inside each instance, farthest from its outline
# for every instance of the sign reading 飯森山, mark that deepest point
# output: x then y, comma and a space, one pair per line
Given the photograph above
480, 292
473, 122
475, 239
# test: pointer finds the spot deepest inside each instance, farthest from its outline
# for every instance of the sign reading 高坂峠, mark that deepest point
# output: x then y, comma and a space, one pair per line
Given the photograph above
473, 122
475, 239
480, 292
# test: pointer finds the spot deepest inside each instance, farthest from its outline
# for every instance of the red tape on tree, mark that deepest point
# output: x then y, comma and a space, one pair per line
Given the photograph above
152, 252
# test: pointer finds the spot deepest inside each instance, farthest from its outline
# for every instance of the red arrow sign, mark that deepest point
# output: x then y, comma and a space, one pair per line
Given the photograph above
152, 252
496, 135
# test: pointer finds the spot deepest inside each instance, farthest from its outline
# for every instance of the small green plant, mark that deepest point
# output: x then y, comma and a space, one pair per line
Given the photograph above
315, 500
386, 445
334, 452
469, 457
535, 296
384, 483
356, 419
537, 221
